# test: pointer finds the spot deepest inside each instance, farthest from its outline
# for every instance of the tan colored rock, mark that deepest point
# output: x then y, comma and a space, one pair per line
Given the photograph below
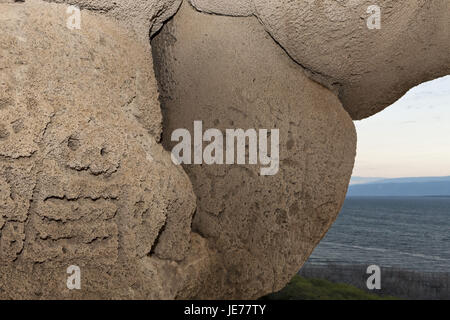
230, 74
145, 17
83, 180
368, 69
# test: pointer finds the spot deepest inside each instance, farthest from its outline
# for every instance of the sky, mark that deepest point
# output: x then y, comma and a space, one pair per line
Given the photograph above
411, 138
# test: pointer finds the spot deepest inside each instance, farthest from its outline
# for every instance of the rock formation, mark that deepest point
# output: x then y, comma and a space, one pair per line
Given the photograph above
143, 16
86, 176
369, 68
229, 73
83, 180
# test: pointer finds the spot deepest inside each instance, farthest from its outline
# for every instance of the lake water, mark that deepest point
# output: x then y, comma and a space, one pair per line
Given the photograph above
411, 233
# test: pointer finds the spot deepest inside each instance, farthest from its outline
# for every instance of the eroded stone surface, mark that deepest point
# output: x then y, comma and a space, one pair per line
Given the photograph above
369, 69
229, 73
146, 17
83, 180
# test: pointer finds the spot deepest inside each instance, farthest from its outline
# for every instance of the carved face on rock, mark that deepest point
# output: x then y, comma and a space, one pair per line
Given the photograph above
92, 183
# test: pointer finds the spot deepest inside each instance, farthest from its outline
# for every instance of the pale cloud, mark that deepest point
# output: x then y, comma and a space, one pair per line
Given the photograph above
410, 138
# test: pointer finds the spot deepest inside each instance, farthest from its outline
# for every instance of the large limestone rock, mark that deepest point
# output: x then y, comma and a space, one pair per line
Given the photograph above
83, 180
368, 69
230, 74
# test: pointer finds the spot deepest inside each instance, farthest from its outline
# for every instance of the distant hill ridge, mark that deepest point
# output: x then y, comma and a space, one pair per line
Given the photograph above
414, 186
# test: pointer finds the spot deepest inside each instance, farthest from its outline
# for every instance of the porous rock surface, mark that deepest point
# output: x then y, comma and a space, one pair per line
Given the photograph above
368, 68
146, 17
229, 73
83, 180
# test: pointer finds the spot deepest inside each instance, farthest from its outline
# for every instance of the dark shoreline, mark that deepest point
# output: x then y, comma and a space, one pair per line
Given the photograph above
401, 283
